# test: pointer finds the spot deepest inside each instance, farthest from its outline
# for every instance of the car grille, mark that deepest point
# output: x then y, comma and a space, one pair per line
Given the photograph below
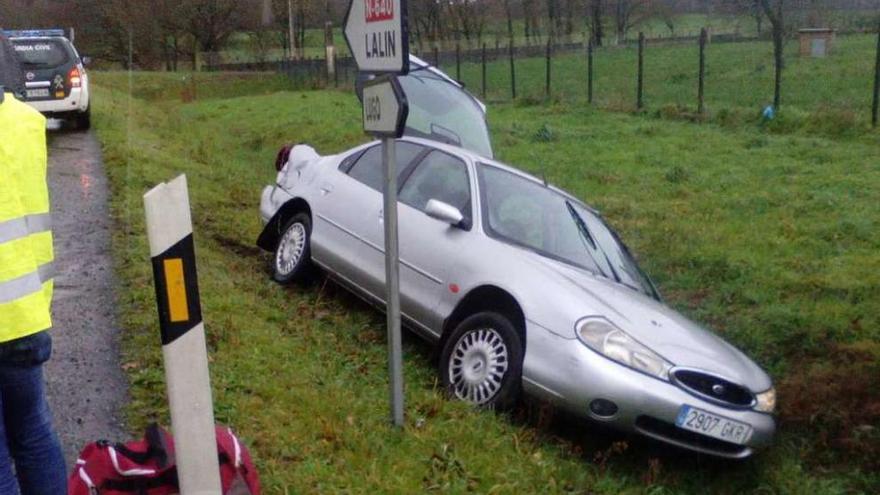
662, 430
713, 388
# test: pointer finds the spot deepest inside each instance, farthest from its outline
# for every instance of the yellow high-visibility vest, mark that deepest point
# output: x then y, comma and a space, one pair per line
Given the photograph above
25, 230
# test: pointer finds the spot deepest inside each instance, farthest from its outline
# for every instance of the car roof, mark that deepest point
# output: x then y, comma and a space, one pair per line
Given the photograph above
472, 156
480, 159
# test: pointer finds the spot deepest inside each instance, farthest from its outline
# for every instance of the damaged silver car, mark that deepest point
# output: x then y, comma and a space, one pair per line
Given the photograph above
524, 288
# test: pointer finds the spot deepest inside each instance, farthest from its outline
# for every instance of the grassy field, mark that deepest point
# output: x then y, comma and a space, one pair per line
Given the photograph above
768, 238
824, 97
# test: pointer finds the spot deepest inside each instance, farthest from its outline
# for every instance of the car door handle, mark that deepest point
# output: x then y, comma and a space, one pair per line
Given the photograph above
381, 216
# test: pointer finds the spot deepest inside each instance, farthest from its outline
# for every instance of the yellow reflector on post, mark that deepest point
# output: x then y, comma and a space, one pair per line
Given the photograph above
176, 288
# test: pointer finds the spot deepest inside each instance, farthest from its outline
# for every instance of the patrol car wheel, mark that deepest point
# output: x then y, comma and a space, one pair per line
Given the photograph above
84, 119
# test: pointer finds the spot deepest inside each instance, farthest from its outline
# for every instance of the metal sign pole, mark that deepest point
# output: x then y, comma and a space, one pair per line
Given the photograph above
169, 230
376, 33
392, 279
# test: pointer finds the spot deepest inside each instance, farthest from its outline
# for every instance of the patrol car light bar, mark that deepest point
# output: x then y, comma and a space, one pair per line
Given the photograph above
34, 33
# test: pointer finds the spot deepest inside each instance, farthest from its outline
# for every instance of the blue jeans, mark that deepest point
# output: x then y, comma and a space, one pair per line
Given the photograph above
26, 435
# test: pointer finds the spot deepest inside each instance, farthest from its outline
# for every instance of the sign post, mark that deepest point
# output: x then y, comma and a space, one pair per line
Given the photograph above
376, 33
169, 229
385, 111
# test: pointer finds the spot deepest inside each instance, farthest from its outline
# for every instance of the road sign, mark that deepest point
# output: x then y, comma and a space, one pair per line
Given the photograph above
169, 231
385, 107
376, 33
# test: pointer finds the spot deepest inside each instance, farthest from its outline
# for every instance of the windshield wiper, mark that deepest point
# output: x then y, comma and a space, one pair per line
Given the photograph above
586, 236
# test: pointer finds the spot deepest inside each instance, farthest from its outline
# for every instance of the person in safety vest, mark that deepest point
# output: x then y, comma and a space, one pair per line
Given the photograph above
27, 438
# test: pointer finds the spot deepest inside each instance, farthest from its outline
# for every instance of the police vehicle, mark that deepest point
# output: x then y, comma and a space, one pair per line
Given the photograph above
56, 81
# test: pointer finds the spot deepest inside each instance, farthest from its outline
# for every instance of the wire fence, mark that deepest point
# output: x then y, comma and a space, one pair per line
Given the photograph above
690, 75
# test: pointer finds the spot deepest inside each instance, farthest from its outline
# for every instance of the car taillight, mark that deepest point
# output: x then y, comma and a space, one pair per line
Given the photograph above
281, 158
74, 77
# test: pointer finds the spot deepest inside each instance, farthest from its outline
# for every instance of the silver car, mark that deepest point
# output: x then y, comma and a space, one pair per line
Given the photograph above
524, 287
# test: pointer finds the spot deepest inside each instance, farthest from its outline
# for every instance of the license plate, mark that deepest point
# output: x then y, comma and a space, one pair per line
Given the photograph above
706, 423
38, 93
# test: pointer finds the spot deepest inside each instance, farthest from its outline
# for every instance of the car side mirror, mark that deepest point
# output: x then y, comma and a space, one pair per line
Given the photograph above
86, 61
444, 212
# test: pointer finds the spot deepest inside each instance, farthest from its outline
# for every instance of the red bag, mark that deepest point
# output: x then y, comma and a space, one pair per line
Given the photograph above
146, 467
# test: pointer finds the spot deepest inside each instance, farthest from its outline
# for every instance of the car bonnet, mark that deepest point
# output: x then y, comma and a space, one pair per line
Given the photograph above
662, 329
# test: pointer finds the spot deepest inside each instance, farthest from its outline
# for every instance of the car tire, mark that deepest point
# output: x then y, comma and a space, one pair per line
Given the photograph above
84, 119
481, 361
292, 260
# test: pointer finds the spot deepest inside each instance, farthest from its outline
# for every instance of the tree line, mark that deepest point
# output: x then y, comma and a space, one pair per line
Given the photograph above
169, 34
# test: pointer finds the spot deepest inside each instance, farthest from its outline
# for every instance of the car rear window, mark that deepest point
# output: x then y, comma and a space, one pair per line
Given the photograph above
41, 53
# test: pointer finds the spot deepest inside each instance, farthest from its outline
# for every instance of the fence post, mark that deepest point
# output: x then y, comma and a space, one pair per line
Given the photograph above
701, 106
640, 102
330, 51
547, 76
512, 71
876, 106
436, 57
458, 61
484, 70
590, 71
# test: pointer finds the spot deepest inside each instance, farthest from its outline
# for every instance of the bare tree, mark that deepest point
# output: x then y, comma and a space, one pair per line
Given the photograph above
595, 13
775, 10
211, 22
531, 19
629, 13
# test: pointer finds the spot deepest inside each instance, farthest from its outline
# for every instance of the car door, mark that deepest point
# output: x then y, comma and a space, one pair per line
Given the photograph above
429, 247
347, 212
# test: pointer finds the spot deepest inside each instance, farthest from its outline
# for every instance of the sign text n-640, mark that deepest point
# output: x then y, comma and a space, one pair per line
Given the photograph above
378, 10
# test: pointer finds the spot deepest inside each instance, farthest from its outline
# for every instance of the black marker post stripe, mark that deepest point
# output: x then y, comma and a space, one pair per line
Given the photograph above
173, 288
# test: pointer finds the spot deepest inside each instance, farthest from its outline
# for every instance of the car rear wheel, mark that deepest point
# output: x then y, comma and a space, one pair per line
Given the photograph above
84, 119
481, 362
292, 260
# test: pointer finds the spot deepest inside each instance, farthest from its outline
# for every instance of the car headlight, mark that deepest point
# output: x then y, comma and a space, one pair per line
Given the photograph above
603, 337
766, 401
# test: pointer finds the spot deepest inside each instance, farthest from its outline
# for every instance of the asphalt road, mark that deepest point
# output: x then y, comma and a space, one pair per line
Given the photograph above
86, 385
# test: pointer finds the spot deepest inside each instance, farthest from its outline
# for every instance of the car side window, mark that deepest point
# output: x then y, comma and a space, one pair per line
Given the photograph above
347, 162
368, 167
439, 176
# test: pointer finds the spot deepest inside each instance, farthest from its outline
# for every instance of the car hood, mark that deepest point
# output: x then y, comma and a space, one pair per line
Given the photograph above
665, 331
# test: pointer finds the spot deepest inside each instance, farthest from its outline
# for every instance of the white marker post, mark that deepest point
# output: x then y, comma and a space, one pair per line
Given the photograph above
169, 229
377, 37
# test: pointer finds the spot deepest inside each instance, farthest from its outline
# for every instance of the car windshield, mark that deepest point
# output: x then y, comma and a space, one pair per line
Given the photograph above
526, 213
442, 111
40, 53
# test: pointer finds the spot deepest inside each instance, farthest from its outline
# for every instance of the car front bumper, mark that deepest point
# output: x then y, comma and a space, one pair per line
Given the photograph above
576, 376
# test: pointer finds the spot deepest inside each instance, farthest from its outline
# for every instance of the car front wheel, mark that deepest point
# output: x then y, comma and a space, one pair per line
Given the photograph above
481, 362
292, 261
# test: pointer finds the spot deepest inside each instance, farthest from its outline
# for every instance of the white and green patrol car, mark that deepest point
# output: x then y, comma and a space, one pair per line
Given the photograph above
55, 77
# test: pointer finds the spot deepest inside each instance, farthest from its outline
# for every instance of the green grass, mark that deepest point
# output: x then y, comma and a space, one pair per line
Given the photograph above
769, 239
